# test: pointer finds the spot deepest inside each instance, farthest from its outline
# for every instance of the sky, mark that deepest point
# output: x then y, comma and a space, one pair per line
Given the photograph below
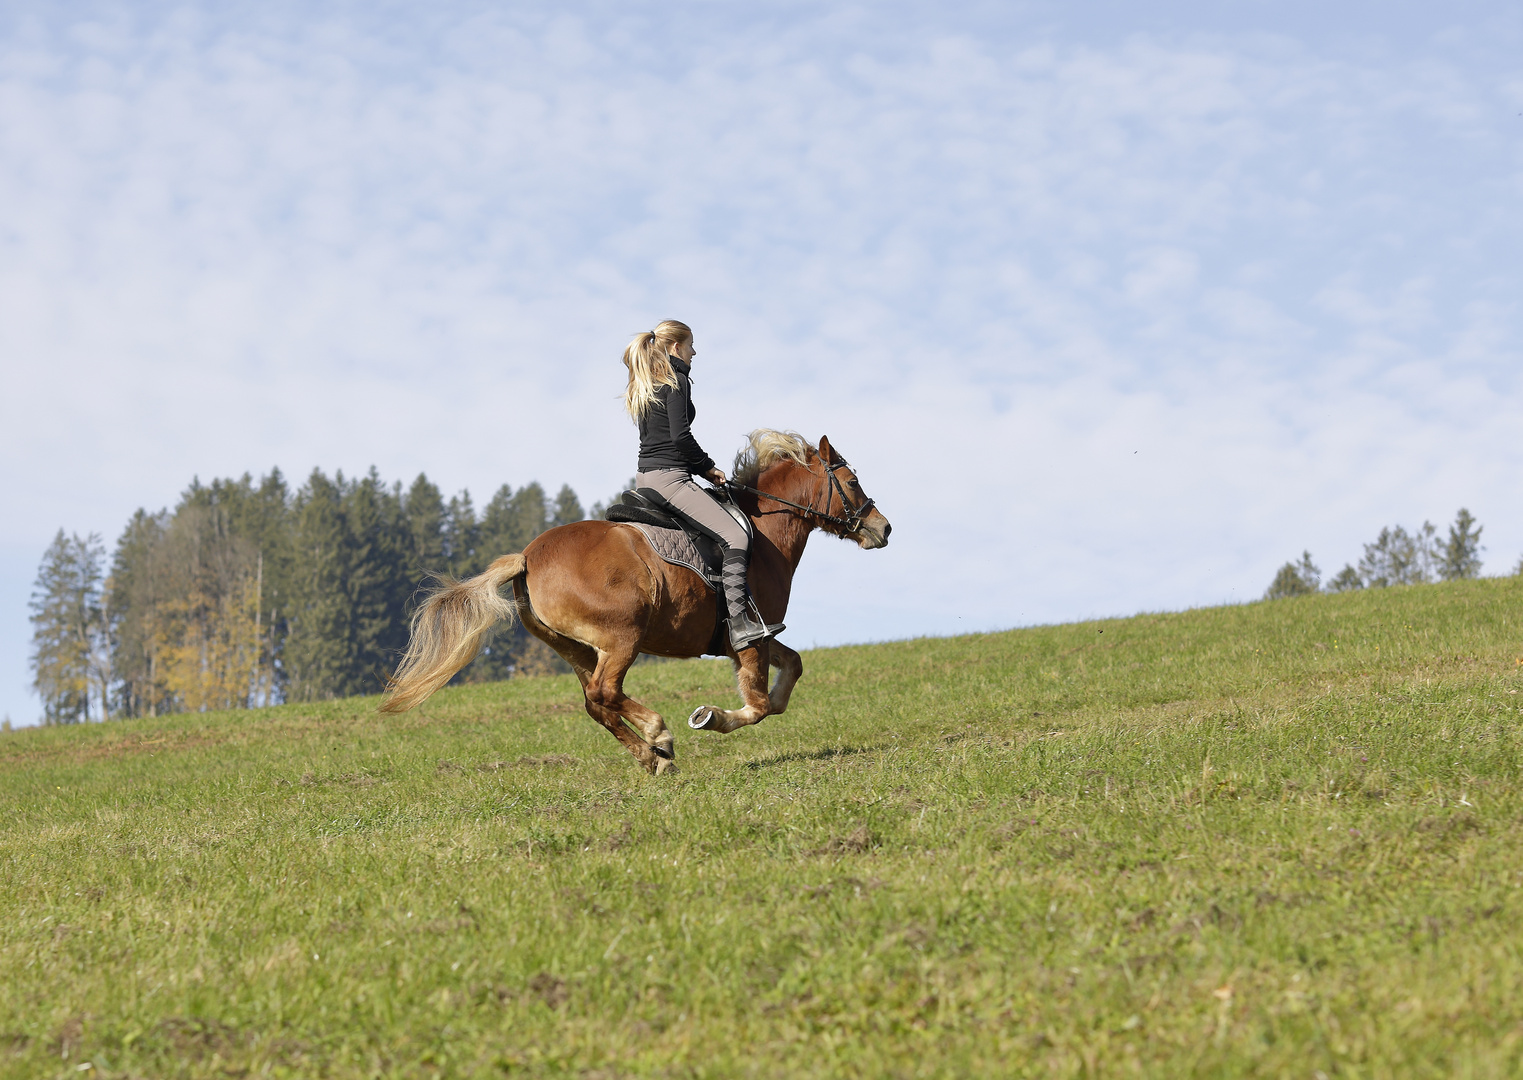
1114, 307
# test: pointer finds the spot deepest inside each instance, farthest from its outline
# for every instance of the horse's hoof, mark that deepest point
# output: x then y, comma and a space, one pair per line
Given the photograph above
664, 766
702, 717
664, 750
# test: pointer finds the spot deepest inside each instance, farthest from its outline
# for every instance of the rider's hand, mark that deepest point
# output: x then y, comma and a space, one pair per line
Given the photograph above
715, 475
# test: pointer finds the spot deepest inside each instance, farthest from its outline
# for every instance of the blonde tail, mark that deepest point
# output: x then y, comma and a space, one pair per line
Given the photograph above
447, 630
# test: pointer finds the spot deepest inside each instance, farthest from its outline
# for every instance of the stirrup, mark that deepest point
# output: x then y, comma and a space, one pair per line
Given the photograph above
749, 628
746, 630
773, 629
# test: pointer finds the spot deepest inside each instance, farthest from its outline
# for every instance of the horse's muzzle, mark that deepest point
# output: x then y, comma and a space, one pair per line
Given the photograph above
874, 534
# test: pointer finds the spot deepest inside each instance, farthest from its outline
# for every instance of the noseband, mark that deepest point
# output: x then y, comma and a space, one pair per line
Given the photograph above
849, 521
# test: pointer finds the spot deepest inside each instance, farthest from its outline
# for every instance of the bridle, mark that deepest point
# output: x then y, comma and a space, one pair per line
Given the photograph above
851, 518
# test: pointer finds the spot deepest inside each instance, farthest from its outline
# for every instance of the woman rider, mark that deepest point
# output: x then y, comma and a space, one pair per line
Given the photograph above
659, 396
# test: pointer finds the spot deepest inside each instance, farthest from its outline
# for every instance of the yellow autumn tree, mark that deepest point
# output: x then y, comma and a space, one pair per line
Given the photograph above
212, 652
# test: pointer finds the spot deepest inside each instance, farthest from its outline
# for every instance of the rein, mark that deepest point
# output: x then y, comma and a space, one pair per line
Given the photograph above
851, 522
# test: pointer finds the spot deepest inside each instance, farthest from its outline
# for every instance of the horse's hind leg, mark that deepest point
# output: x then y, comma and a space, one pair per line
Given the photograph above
751, 668
593, 677
592, 669
645, 754
789, 668
605, 695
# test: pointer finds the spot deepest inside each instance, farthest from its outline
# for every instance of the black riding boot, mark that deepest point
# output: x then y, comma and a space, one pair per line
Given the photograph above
746, 627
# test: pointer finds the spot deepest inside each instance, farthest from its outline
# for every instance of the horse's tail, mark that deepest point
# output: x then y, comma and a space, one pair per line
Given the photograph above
447, 630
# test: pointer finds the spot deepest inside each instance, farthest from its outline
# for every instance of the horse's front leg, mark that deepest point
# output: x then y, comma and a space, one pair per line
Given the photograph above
789, 668
751, 667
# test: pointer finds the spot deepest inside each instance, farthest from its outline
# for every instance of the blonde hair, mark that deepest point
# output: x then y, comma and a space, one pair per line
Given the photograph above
767, 447
646, 359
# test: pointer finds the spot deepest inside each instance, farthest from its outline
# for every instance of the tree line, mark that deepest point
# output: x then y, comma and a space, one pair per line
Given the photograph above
1395, 557
250, 593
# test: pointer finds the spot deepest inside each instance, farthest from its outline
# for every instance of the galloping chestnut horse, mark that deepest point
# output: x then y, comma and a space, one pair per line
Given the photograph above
596, 593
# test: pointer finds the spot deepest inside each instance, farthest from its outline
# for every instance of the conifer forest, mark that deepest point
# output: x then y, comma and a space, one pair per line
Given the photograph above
249, 593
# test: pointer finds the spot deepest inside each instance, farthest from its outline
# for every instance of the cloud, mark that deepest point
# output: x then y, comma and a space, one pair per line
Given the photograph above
1107, 324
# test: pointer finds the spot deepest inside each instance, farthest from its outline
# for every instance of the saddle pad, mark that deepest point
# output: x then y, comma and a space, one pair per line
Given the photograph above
674, 546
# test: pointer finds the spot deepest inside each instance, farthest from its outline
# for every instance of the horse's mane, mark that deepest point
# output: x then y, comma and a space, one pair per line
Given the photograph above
768, 447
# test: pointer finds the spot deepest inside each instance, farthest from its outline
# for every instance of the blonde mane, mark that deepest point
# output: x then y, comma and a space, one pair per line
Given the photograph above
768, 447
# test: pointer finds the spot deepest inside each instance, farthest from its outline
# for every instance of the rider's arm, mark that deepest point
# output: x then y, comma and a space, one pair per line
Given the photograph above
678, 405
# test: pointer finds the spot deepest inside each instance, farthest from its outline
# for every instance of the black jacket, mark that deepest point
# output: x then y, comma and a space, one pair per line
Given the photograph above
666, 430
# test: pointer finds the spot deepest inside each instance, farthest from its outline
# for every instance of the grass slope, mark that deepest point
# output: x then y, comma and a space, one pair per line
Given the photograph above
1278, 840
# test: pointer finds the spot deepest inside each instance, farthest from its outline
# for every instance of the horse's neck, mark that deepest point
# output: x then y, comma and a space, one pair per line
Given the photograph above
781, 534
788, 535
787, 531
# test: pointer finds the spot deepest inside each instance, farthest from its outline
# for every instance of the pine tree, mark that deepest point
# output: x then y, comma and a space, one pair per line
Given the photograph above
527, 517
495, 531
462, 537
568, 507
377, 581
1295, 579
1397, 557
318, 648
1345, 580
1460, 557
511, 520
70, 650
423, 507
135, 593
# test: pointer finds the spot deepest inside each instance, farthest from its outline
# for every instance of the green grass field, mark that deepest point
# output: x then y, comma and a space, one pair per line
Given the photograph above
1279, 839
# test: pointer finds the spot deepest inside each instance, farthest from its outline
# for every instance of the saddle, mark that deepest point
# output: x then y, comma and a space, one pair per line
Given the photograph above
686, 543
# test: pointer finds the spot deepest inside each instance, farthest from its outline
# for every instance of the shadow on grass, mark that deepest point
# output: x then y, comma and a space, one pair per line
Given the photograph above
810, 755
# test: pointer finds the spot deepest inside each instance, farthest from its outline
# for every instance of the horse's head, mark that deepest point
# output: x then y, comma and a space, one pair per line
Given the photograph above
848, 512
813, 485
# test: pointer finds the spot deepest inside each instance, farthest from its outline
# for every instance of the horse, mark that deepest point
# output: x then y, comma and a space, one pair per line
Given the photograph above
599, 595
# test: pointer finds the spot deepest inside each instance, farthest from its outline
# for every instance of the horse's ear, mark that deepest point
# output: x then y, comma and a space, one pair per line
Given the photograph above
826, 453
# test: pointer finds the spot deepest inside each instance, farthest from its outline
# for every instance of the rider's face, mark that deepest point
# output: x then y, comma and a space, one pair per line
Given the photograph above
684, 351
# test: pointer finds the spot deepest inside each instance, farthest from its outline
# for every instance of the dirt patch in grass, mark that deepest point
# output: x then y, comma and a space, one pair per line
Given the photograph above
69, 1037
856, 842
527, 761
551, 989
196, 1036
354, 779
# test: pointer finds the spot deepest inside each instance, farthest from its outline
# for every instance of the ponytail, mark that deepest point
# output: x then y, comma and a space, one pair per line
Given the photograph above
646, 358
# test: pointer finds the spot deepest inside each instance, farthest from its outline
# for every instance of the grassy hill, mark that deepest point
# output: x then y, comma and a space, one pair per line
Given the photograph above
1280, 839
